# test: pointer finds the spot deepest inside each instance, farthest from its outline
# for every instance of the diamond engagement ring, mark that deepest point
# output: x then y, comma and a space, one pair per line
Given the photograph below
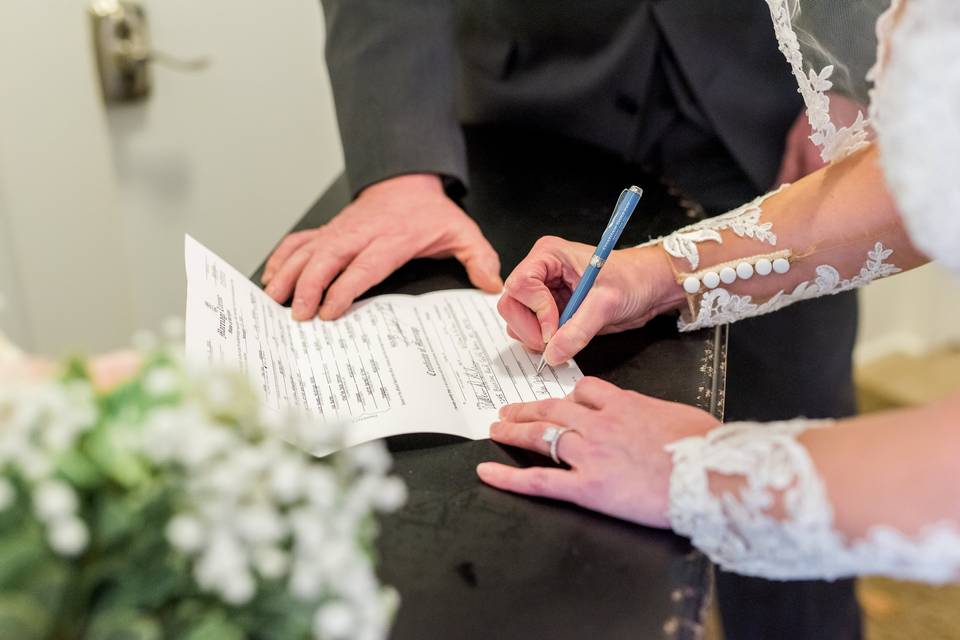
553, 435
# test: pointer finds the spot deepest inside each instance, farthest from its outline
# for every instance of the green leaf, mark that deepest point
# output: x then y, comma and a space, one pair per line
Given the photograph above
122, 465
75, 368
23, 617
123, 624
78, 470
48, 581
21, 552
215, 626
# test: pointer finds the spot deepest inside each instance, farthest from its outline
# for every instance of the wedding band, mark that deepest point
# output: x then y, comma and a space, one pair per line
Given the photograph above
553, 435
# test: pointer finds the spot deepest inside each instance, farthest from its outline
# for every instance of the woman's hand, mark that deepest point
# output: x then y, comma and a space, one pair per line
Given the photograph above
634, 286
619, 465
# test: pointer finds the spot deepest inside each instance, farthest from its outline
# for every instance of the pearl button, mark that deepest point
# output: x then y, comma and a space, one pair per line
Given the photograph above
781, 265
744, 270
763, 267
728, 275
691, 285
711, 279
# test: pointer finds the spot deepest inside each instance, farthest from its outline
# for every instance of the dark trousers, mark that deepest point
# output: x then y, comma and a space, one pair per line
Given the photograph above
792, 363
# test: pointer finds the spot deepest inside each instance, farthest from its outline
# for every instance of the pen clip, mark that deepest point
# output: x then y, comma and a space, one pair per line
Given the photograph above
613, 216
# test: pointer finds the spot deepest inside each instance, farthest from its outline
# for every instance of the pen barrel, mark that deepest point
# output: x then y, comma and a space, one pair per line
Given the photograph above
579, 294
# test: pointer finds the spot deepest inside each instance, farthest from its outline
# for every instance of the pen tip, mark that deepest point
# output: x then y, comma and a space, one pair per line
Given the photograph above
543, 363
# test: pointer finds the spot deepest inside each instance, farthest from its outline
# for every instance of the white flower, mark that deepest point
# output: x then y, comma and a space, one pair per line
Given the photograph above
35, 465
334, 556
58, 436
53, 499
249, 461
222, 561
286, 479
306, 581
206, 441
309, 527
392, 494
185, 533
271, 562
334, 620
260, 525
357, 581
223, 479
321, 486
161, 382
240, 589
220, 392
68, 536
372, 457
8, 494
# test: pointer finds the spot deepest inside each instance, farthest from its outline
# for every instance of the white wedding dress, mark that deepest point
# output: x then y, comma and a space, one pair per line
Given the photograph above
915, 110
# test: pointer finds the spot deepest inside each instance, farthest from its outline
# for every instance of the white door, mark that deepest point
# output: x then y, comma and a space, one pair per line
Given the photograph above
94, 200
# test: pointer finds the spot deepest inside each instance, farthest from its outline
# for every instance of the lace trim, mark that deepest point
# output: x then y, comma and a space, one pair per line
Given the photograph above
736, 532
743, 221
834, 143
719, 306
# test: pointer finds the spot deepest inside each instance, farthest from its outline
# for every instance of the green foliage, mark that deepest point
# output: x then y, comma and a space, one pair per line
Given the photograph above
127, 582
23, 617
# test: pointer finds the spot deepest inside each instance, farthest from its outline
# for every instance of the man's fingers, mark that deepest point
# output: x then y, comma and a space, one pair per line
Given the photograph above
319, 272
594, 393
283, 251
529, 435
370, 267
522, 323
555, 410
592, 316
535, 481
283, 280
480, 260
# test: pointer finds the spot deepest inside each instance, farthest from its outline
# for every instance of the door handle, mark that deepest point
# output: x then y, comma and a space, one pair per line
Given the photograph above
124, 53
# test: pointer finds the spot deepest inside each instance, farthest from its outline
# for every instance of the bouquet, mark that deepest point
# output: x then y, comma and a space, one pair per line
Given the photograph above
175, 506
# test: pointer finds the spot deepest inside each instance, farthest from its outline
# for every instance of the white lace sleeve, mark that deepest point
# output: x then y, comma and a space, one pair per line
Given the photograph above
710, 299
719, 306
738, 532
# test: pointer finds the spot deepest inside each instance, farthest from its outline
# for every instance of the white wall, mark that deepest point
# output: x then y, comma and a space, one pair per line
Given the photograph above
95, 201
64, 272
234, 154
911, 313
12, 319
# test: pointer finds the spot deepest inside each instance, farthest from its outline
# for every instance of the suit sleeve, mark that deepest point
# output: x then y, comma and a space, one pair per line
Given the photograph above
393, 70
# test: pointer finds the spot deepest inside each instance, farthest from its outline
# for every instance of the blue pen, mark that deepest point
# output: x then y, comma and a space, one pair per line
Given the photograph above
626, 205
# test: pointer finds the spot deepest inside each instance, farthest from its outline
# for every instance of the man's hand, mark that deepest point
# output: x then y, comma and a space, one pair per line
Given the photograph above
801, 157
389, 223
634, 286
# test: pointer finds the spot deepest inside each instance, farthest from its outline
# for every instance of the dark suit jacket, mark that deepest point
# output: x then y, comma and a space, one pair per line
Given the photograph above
406, 74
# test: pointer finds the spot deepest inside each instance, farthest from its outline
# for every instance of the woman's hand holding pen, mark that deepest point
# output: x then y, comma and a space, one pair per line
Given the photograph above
634, 286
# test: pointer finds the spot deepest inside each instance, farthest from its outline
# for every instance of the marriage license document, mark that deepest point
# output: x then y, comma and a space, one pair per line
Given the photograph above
439, 362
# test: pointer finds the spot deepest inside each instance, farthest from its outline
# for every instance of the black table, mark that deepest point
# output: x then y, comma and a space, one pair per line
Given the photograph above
473, 562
